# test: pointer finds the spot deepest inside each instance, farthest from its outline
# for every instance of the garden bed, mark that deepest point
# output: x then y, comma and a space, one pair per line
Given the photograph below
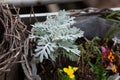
88, 51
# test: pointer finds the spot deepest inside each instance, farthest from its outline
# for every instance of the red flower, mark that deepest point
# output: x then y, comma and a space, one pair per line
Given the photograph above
105, 51
108, 58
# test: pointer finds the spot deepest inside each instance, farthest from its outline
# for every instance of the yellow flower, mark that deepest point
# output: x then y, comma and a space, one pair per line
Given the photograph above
114, 68
70, 71
111, 57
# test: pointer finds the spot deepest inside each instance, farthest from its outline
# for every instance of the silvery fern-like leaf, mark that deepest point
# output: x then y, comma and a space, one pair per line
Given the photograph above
74, 50
45, 50
66, 33
69, 47
63, 19
53, 56
54, 33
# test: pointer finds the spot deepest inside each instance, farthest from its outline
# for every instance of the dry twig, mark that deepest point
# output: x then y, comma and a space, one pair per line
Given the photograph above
13, 33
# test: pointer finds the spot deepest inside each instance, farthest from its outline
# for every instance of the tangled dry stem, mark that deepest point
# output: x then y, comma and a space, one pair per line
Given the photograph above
13, 33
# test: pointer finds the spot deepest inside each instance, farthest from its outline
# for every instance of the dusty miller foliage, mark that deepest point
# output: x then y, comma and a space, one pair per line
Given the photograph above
54, 34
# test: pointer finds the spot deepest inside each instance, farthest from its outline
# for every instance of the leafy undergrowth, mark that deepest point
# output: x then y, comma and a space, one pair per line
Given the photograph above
60, 56
93, 64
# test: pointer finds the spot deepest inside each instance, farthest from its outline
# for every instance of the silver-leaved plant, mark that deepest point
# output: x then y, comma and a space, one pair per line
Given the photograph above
55, 33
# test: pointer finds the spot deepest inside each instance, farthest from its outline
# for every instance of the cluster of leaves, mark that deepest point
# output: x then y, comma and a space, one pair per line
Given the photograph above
93, 57
55, 36
97, 67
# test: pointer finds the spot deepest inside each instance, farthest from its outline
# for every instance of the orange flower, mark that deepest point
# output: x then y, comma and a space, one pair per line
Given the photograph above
111, 57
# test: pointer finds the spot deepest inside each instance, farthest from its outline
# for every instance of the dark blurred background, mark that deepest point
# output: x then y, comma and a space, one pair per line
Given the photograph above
42, 6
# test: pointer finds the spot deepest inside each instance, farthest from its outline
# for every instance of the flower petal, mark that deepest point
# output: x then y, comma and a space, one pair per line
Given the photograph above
65, 70
72, 76
75, 68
